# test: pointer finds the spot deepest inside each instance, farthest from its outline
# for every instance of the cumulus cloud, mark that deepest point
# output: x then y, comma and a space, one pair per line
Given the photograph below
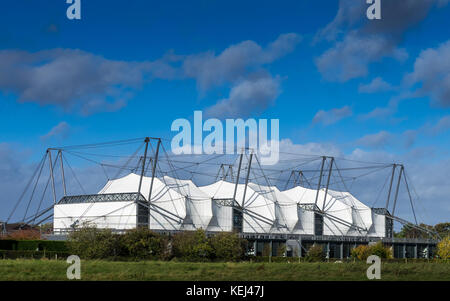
390, 109
349, 14
376, 85
432, 72
332, 116
70, 78
233, 63
442, 125
250, 96
14, 172
61, 130
89, 83
241, 66
396, 18
353, 34
350, 58
378, 140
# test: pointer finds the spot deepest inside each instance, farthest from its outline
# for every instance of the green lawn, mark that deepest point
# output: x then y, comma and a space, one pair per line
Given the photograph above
28, 269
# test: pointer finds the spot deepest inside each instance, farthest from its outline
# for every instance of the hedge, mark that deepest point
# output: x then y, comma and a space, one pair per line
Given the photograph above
33, 245
14, 254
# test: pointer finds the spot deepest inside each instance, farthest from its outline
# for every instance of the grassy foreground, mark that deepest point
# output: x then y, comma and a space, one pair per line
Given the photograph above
28, 269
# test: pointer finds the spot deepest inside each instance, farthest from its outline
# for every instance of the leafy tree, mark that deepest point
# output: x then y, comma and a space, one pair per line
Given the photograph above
315, 253
142, 243
88, 242
443, 248
443, 229
228, 246
362, 252
410, 232
192, 246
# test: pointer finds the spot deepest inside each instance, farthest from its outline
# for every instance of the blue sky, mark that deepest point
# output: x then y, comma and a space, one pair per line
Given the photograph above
339, 83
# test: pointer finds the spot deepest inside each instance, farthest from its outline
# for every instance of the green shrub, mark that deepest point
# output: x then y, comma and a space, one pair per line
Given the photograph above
192, 246
443, 248
92, 243
144, 244
14, 254
53, 246
381, 251
28, 245
228, 246
362, 252
315, 253
33, 245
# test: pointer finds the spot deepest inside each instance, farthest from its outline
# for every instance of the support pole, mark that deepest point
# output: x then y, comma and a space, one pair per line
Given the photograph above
140, 180
237, 178
271, 248
410, 199
300, 178
300, 248
289, 179
246, 179
51, 175
398, 188
320, 181
328, 183
62, 172
222, 167
390, 187
153, 178
143, 167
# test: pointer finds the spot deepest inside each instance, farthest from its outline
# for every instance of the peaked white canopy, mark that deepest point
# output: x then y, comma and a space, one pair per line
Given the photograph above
181, 205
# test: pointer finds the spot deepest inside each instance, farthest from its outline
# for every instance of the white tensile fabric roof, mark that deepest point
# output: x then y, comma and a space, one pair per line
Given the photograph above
286, 209
162, 196
333, 207
181, 204
198, 203
259, 214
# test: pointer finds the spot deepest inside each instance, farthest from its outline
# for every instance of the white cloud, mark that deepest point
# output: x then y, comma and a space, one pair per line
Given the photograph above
61, 130
236, 61
432, 71
359, 42
87, 83
350, 58
378, 140
332, 116
250, 96
376, 85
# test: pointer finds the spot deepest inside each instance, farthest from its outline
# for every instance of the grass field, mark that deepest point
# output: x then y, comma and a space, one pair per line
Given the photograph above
28, 269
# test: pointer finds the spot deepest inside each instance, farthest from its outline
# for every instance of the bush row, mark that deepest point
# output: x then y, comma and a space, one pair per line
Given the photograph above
92, 243
362, 252
15, 254
33, 245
